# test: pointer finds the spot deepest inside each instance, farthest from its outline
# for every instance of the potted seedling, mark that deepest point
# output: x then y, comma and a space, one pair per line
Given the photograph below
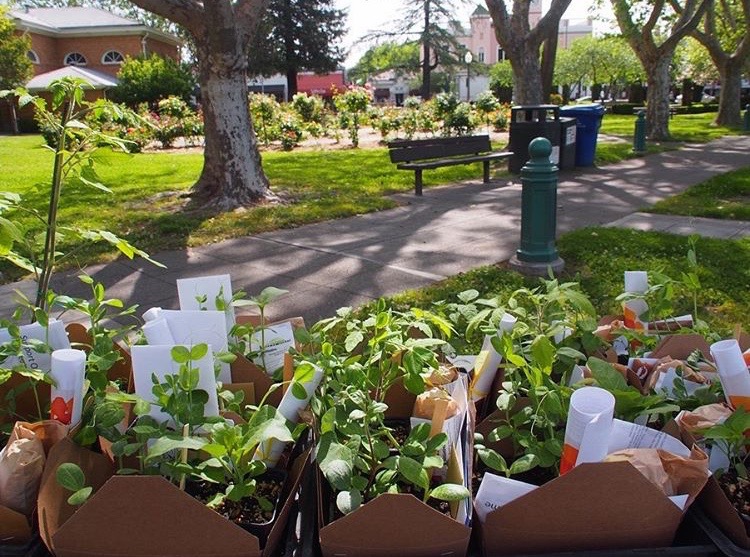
727, 499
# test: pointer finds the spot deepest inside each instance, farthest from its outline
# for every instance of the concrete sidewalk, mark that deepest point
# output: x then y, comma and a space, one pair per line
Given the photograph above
450, 230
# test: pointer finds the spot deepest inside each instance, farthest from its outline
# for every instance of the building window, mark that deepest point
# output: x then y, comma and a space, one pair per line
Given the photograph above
31, 55
75, 59
501, 55
480, 55
112, 57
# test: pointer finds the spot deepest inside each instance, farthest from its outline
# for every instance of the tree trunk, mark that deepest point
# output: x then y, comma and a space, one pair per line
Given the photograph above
13, 116
527, 79
549, 53
291, 80
232, 173
729, 99
657, 98
687, 92
426, 68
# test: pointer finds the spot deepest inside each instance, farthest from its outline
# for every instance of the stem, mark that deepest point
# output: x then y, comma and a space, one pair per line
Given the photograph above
38, 404
263, 337
51, 236
183, 456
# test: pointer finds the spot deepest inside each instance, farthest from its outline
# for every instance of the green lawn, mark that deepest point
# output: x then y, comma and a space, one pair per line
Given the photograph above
722, 197
597, 258
690, 128
148, 200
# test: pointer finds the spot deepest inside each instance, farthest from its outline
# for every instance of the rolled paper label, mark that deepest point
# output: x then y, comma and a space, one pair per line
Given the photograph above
271, 450
636, 282
488, 360
68, 371
733, 373
152, 314
157, 332
632, 311
590, 416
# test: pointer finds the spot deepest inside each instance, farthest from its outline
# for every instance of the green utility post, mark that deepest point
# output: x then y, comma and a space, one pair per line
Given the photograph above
747, 118
538, 253
639, 138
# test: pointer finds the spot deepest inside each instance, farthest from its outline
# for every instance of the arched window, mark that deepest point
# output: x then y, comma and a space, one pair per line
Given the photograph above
75, 59
112, 57
501, 55
31, 55
481, 55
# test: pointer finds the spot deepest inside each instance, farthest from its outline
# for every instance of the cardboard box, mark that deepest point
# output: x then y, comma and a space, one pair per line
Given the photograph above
392, 524
718, 508
144, 516
597, 506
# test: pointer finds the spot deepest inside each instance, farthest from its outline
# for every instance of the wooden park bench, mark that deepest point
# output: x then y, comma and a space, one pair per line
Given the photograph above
421, 154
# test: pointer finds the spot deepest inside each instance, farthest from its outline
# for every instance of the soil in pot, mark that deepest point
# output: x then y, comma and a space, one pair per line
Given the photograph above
248, 513
737, 491
400, 429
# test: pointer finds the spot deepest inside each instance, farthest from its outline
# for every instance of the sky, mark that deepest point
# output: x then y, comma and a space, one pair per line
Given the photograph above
371, 15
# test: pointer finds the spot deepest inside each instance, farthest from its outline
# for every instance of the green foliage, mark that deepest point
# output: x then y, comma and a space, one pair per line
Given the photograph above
402, 58
74, 145
15, 66
70, 476
731, 438
352, 104
151, 79
309, 107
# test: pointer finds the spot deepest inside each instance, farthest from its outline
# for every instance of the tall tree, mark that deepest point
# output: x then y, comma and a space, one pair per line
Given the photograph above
432, 23
522, 44
15, 66
401, 58
232, 174
654, 28
725, 33
298, 35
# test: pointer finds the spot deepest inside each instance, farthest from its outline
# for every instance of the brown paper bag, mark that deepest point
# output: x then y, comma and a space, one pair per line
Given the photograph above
703, 417
22, 463
673, 474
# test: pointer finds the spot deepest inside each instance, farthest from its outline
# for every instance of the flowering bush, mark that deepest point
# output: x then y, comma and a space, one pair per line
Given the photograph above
309, 108
265, 112
291, 134
352, 105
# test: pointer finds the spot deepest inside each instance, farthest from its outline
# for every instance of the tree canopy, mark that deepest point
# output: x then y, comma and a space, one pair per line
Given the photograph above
15, 66
402, 58
297, 35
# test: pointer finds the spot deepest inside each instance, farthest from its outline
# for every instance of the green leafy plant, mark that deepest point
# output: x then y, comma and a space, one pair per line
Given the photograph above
353, 104
730, 437
74, 145
71, 477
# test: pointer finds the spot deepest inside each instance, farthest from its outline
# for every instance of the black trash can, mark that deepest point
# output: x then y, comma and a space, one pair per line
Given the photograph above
567, 144
528, 122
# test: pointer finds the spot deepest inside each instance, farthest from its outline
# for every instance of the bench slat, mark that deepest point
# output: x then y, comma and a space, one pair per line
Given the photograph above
421, 149
437, 163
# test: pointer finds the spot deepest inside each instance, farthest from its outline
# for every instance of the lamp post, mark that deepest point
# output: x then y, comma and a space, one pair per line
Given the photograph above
468, 58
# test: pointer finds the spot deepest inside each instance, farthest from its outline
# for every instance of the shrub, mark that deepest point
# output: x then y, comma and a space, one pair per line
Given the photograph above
265, 113
352, 106
152, 79
309, 108
291, 134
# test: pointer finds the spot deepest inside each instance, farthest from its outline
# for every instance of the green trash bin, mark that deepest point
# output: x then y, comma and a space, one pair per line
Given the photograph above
529, 122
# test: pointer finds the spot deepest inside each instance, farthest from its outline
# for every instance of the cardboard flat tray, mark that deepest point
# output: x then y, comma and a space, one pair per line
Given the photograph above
723, 543
33, 548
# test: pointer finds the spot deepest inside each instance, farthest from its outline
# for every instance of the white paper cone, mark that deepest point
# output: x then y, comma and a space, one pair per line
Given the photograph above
57, 335
68, 371
212, 287
152, 314
485, 369
157, 332
507, 323
636, 282
590, 416
290, 407
733, 372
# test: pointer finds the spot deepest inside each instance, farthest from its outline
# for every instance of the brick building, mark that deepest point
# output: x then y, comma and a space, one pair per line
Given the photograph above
84, 42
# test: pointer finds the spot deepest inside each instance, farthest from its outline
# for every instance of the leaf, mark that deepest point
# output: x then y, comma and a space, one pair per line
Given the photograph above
606, 375
505, 401
352, 340
571, 353
337, 462
493, 459
304, 373
543, 353
523, 464
348, 501
70, 476
198, 351
80, 496
450, 492
174, 442
298, 391
180, 354
413, 472
468, 295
